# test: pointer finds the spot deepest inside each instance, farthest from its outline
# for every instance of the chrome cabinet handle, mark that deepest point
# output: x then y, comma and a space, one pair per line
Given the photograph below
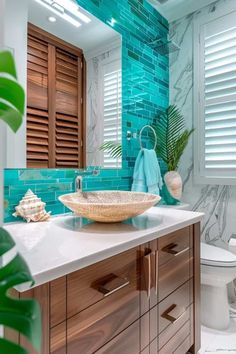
171, 249
114, 284
167, 314
147, 273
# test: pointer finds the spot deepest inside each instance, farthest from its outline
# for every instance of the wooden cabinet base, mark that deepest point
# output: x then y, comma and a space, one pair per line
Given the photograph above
151, 305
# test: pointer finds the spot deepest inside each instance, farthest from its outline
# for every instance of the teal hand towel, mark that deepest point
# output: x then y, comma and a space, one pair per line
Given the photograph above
147, 175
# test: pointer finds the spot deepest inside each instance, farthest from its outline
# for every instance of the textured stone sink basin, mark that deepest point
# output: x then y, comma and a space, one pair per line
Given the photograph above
109, 206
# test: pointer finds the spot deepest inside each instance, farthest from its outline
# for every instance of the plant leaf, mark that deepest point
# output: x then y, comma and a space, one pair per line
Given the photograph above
13, 93
11, 348
114, 149
12, 96
7, 64
172, 137
22, 315
10, 116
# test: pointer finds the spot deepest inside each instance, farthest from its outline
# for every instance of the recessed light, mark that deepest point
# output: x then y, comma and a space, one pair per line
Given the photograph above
52, 19
65, 16
73, 8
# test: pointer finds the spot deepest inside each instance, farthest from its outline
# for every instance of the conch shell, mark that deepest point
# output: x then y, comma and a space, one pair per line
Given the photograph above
31, 208
174, 184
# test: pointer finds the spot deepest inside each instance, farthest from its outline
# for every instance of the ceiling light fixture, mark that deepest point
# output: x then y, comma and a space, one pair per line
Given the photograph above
58, 7
74, 9
48, 4
52, 19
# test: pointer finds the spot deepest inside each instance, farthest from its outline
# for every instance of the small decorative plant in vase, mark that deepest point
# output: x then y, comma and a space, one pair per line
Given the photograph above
172, 139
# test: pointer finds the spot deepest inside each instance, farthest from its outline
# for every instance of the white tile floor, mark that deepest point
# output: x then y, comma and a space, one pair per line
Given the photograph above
219, 342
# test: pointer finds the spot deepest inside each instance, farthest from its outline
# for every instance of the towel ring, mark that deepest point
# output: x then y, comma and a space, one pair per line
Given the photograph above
140, 136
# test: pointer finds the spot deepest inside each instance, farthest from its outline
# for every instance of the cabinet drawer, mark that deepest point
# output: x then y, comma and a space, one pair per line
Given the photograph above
84, 286
184, 346
174, 312
174, 244
92, 328
127, 342
175, 273
180, 343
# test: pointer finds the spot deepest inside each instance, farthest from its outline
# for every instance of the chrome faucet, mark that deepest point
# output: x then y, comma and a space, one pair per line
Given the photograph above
79, 179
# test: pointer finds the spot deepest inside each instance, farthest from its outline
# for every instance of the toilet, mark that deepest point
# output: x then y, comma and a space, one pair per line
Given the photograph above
218, 269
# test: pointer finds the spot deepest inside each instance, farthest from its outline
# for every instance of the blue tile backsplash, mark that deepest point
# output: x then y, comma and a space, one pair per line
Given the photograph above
145, 92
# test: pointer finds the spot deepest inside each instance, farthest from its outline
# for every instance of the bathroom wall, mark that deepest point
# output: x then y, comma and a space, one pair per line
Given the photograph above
145, 90
217, 202
16, 12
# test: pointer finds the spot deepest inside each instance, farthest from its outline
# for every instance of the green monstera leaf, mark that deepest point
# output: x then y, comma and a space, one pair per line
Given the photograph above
12, 95
23, 315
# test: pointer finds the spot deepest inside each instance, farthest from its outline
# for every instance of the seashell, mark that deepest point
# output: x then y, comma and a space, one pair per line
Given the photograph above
31, 208
174, 184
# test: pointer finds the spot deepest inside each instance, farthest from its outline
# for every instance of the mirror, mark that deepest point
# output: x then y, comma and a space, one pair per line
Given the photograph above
74, 82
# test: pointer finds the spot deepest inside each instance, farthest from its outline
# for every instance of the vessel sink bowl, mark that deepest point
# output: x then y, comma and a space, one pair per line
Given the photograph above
109, 206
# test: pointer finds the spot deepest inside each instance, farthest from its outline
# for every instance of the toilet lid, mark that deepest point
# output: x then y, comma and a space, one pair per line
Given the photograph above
216, 256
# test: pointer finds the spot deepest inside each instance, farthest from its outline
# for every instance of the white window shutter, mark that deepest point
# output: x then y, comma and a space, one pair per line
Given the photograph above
112, 109
215, 108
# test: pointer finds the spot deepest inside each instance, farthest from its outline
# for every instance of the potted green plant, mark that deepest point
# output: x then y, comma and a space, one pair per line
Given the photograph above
20, 315
172, 139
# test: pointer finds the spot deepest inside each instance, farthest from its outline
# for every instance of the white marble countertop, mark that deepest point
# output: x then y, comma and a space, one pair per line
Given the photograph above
64, 244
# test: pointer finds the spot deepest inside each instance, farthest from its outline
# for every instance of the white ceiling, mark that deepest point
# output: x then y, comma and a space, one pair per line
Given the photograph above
175, 9
87, 37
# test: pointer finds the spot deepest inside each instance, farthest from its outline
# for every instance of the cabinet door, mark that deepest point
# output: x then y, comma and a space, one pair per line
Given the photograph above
41, 294
58, 339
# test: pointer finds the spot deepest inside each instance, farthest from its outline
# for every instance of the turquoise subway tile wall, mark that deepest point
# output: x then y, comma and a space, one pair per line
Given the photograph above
145, 86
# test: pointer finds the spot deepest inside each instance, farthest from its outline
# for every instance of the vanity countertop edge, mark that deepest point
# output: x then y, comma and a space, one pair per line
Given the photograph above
52, 251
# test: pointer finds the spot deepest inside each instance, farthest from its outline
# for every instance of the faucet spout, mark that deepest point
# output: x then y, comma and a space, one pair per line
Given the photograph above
78, 183
79, 179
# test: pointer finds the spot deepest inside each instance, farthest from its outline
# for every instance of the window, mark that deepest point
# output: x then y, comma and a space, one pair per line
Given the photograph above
112, 107
215, 99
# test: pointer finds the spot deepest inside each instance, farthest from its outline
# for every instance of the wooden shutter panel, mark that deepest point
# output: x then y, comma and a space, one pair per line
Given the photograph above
37, 104
54, 106
68, 116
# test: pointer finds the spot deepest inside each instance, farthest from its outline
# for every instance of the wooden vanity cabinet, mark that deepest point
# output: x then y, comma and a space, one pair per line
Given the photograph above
145, 300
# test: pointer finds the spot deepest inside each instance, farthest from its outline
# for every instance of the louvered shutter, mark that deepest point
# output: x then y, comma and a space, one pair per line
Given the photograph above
217, 97
37, 104
112, 107
68, 115
54, 102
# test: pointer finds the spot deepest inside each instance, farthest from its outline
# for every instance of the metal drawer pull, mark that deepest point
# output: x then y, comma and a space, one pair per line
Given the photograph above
113, 285
154, 270
171, 249
147, 273
167, 314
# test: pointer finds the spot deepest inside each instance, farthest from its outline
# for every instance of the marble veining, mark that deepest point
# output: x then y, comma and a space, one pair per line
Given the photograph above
217, 202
